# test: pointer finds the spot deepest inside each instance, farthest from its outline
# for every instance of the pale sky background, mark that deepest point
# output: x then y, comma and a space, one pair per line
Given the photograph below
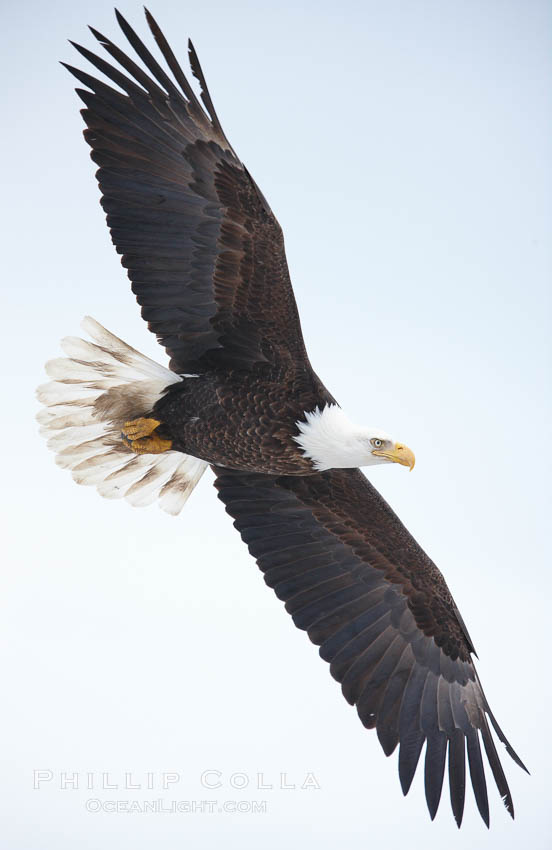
404, 147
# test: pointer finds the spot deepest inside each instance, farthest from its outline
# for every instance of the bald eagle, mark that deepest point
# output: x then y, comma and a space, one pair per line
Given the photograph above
206, 260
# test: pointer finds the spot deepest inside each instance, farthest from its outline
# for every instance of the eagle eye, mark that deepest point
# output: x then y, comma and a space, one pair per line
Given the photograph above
377, 443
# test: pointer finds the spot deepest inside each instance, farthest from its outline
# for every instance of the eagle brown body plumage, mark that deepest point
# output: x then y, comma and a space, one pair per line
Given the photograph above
243, 420
206, 259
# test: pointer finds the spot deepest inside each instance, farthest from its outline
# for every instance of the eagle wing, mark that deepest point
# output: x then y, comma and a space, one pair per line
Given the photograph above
353, 577
203, 250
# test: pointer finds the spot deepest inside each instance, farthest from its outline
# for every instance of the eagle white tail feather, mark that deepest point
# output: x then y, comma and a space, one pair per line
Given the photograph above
95, 389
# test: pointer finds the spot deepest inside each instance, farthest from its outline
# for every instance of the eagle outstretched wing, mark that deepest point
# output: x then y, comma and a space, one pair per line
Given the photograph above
353, 577
203, 250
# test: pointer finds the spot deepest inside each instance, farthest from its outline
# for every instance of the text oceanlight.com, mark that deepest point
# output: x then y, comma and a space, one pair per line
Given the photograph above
160, 806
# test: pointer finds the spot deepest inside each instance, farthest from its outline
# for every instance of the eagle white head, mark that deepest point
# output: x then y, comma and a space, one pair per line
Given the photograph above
331, 441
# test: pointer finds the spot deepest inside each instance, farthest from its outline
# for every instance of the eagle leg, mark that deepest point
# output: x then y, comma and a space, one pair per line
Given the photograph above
138, 428
138, 435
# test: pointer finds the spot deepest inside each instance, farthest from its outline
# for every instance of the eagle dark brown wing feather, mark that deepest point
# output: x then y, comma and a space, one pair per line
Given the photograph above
353, 577
203, 250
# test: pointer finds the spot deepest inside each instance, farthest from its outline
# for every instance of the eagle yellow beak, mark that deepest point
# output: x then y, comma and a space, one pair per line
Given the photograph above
400, 454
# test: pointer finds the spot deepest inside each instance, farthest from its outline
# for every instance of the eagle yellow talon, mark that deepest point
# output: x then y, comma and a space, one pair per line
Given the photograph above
138, 435
138, 428
153, 445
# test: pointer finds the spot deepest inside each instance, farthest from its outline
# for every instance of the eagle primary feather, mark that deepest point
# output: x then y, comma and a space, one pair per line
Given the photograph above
206, 259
